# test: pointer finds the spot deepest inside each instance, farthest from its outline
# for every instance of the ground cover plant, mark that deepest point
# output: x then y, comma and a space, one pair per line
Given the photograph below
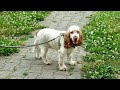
102, 41
16, 27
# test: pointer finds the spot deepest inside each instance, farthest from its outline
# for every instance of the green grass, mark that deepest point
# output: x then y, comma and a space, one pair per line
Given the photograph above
25, 73
16, 27
102, 41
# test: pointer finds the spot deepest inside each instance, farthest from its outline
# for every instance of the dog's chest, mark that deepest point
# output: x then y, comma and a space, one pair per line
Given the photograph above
69, 50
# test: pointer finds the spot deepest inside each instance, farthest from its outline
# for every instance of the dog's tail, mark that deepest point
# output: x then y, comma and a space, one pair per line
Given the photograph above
35, 35
35, 48
35, 42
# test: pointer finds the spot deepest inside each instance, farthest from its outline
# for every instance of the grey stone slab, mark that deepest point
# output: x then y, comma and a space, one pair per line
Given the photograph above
31, 76
60, 77
47, 74
4, 74
15, 77
2, 63
67, 18
51, 67
77, 68
9, 66
37, 62
62, 73
25, 64
20, 72
74, 76
36, 68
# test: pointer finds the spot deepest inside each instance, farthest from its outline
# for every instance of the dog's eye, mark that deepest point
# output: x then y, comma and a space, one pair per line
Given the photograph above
77, 31
72, 32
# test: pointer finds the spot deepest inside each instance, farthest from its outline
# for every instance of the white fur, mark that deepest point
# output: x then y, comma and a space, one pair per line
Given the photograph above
41, 51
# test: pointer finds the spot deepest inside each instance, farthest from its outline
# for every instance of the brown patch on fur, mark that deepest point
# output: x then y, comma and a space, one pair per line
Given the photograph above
67, 40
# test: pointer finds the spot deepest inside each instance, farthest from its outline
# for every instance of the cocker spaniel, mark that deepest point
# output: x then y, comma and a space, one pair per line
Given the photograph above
64, 44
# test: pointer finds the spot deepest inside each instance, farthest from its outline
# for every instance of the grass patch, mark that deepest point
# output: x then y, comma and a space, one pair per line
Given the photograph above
25, 73
25, 37
102, 41
16, 27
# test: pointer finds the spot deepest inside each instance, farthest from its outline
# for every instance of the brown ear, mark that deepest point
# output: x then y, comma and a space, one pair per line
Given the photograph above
67, 40
81, 39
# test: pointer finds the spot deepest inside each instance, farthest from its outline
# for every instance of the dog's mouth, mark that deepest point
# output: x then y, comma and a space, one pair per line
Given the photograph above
75, 41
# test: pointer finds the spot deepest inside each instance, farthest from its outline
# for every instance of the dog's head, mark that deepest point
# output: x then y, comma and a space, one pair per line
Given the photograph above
73, 37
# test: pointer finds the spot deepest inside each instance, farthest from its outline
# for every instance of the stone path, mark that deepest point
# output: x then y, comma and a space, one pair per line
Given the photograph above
23, 65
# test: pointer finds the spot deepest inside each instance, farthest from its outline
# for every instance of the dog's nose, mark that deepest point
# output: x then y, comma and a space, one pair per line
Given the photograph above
75, 37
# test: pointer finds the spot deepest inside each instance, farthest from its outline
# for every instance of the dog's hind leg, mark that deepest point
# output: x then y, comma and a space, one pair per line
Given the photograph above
44, 51
36, 50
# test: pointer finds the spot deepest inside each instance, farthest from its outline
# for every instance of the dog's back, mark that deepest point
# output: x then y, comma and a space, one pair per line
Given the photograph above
48, 34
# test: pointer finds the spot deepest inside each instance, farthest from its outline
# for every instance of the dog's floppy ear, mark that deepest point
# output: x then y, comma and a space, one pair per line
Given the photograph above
67, 40
81, 38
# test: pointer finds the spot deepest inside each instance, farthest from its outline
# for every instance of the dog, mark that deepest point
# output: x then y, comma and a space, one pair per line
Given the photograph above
64, 44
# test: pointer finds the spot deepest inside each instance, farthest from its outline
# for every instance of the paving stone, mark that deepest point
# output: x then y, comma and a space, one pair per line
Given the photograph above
60, 77
37, 62
66, 18
9, 66
36, 69
31, 76
15, 77
2, 63
74, 76
77, 67
47, 74
25, 64
4, 74
20, 72
62, 73
51, 67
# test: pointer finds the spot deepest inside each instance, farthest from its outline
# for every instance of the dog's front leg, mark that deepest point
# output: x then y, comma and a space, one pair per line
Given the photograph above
61, 64
71, 61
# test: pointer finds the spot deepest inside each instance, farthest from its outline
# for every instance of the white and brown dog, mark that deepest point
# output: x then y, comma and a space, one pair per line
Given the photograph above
64, 44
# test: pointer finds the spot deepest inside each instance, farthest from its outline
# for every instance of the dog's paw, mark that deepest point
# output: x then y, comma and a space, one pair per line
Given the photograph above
48, 62
36, 58
72, 62
63, 68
